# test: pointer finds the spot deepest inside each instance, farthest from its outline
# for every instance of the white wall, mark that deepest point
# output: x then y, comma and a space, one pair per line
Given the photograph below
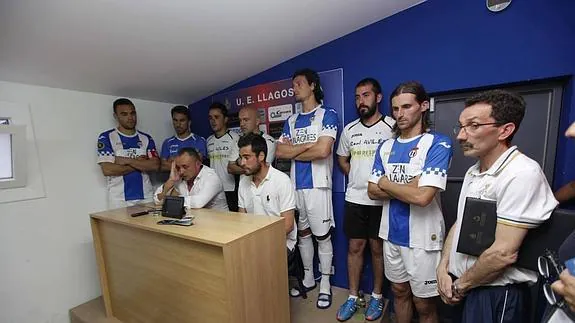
47, 263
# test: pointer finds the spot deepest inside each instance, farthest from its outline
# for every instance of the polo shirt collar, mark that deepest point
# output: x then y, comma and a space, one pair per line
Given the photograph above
499, 164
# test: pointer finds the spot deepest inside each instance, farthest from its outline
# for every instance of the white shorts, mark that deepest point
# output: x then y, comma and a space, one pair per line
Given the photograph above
315, 210
416, 266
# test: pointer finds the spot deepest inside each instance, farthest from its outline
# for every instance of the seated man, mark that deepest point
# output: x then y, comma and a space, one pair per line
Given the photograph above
198, 184
264, 189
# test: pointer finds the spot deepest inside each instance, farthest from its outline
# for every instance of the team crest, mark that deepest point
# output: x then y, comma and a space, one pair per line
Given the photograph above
413, 152
100, 145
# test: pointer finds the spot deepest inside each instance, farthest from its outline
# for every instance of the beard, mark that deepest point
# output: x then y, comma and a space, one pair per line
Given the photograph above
366, 114
254, 170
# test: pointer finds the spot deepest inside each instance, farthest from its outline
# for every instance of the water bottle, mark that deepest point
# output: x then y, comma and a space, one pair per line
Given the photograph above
360, 299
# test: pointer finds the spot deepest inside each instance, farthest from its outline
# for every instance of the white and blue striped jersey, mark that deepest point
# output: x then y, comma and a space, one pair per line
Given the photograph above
428, 156
302, 128
172, 145
135, 185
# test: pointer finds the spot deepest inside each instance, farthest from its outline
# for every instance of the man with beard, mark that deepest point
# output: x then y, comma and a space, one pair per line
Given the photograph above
183, 138
198, 184
223, 152
362, 215
249, 123
264, 189
307, 139
489, 288
409, 171
125, 155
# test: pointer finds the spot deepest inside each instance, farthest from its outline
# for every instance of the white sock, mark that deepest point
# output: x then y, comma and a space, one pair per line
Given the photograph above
306, 251
325, 254
354, 297
376, 296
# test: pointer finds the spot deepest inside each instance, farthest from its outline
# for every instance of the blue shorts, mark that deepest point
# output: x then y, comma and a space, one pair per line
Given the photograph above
495, 304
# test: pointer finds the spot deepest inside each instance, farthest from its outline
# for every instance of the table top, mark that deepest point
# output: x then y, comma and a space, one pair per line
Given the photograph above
209, 226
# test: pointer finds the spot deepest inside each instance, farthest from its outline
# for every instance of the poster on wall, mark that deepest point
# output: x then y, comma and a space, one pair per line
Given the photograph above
275, 102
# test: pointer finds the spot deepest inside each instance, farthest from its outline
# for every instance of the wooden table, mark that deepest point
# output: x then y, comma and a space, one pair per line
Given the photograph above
227, 267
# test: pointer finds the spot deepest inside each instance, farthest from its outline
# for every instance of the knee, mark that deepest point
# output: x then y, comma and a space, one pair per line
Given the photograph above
425, 306
356, 247
304, 232
402, 291
376, 247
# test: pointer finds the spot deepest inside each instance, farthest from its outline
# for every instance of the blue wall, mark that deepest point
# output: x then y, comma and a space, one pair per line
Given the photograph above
447, 45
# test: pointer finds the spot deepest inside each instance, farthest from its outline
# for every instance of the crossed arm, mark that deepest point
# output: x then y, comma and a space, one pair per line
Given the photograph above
306, 152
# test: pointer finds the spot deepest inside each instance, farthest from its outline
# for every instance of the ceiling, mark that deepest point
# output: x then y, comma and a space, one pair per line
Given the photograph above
168, 50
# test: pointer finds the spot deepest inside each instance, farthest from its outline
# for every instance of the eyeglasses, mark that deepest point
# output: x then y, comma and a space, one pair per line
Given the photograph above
550, 268
472, 127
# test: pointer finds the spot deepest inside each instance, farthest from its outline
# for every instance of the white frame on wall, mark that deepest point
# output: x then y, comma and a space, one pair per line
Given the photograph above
19, 165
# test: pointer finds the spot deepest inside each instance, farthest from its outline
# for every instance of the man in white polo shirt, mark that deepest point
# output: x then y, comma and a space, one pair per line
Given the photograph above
265, 190
198, 184
489, 288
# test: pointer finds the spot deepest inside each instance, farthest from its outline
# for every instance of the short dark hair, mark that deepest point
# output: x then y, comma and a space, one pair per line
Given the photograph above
374, 84
193, 152
181, 109
219, 106
505, 107
257, 142
421, 96
122, 101
312, 77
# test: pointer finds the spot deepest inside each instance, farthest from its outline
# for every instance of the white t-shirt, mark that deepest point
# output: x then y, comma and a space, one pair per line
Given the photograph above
524, 199
221, 151
303, 128
274, 195
428, 156
206, 191
360, 142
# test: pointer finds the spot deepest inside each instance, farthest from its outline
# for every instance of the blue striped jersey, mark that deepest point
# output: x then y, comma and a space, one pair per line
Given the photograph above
400, 160
135, 185
303, 128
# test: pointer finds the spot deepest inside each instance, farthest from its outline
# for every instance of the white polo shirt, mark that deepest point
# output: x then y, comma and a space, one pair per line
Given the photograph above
524, 199
207, 191
274, 195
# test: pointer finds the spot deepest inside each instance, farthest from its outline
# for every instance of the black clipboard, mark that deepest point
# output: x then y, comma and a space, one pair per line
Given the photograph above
478, 232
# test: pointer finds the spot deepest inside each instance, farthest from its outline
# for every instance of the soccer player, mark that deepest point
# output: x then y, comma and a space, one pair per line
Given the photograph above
357, 144
125, 155
183, 138
249, 123
409, 171
223, 152
307, 139
264, 189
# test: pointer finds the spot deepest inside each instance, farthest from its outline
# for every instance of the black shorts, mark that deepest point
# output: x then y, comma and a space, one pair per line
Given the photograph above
361, 221
232, 199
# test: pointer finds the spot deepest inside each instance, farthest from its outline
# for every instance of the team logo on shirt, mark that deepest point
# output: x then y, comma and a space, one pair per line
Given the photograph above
413, 152
100, 145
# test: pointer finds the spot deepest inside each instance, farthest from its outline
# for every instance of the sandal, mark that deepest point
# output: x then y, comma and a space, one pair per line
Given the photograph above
323, 297
295, 292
